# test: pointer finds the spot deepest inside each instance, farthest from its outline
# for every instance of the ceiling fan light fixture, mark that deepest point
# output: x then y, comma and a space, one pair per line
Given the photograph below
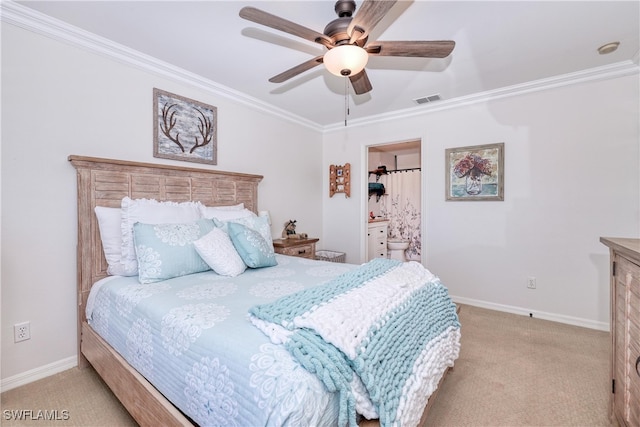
345, 60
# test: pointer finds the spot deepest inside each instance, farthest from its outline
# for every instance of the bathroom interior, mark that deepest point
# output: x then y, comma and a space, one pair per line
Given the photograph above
394, 207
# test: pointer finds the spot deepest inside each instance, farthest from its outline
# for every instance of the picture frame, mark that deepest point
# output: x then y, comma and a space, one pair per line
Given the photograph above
340, 179
475, 173
184, 129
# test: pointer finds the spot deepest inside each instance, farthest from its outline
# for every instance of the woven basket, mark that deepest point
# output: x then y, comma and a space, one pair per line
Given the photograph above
331, 256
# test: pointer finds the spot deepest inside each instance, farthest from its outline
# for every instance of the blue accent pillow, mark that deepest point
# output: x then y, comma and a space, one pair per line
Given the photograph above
252, 247
258, 223
166, 250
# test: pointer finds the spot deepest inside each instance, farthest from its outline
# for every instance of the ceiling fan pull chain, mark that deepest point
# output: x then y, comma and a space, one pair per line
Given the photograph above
346, 100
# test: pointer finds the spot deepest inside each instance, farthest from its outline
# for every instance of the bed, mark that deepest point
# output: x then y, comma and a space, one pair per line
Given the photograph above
238, 308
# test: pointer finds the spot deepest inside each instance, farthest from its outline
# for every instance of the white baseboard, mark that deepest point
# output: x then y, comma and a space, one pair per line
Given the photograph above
38, 373
560, 318
71, 362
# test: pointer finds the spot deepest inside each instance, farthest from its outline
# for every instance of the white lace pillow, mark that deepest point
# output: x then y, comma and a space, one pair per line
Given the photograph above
238, 207
223, 214
218, 252
149, 211
109, 223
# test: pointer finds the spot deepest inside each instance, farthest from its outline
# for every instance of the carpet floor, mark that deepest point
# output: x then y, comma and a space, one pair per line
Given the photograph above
512, 371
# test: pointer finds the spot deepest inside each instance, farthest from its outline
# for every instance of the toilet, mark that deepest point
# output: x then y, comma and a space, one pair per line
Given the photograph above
396, 249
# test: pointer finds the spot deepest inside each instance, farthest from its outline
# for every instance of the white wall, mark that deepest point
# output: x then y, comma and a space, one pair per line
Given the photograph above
59, 100
408, 160
572, 175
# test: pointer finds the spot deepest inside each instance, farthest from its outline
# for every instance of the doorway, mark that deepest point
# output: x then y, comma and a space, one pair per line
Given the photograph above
395, 193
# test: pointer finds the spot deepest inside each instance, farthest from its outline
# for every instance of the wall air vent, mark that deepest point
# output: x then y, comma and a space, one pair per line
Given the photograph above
425, 99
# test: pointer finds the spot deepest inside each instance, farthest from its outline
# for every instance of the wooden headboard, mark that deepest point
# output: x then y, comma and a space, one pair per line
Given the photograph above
104, 182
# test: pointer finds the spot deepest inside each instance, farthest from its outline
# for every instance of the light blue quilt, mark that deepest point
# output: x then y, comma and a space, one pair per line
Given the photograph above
373, 339
190, 336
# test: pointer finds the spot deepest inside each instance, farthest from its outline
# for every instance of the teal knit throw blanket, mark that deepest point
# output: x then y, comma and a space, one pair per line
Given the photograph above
386, 325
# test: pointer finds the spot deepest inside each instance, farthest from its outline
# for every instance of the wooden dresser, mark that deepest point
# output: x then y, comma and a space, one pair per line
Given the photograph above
305, 248
625, 329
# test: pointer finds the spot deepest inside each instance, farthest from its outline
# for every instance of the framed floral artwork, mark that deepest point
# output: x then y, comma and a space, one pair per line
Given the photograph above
184, 129
475, 173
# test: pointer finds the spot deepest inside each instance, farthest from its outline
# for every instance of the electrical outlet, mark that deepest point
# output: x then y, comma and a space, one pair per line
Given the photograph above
21, 331
531, 282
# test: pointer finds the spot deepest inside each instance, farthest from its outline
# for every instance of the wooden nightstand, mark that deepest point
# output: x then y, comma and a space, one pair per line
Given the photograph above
305, 248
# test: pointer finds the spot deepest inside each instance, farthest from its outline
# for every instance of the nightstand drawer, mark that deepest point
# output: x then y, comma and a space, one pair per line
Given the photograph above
304, 248
305, 251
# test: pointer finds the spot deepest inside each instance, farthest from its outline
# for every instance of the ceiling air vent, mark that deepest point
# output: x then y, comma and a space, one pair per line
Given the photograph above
425, 99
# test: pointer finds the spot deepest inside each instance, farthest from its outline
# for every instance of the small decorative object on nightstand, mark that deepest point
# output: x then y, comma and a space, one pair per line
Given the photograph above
305, 248
289, 229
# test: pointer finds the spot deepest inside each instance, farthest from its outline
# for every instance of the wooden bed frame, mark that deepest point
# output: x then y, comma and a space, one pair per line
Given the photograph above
104, 182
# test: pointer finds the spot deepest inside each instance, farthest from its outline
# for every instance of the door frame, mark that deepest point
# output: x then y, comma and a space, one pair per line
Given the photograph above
364, 202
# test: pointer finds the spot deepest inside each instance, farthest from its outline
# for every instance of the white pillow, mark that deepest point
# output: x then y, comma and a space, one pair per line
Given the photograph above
109, 223
238, 207
218, 252
149, 211
224, 214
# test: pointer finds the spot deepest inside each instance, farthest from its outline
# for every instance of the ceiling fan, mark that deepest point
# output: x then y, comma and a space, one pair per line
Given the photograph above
346, 40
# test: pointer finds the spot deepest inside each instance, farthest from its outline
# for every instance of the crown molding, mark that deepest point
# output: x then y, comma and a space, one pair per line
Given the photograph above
34, 21
620, 69
31, 20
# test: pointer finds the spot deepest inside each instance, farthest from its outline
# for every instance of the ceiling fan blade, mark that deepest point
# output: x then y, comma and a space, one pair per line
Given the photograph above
264, 18
298, 69
367, 17
361, 83
422, 49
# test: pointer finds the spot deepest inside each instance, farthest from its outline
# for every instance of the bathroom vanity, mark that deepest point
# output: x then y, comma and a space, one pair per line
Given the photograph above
377, 239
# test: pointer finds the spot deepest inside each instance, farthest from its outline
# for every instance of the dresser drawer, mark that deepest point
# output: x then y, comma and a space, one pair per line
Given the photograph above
380, 254
377, 240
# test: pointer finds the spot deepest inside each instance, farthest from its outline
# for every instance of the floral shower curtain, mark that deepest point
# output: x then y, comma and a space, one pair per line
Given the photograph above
402, 206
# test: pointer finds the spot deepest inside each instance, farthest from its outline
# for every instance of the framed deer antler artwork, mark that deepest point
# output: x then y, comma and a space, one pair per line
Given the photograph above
184, 129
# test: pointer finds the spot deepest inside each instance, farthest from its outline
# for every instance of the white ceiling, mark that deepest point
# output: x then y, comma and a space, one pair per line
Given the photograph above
499, 45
